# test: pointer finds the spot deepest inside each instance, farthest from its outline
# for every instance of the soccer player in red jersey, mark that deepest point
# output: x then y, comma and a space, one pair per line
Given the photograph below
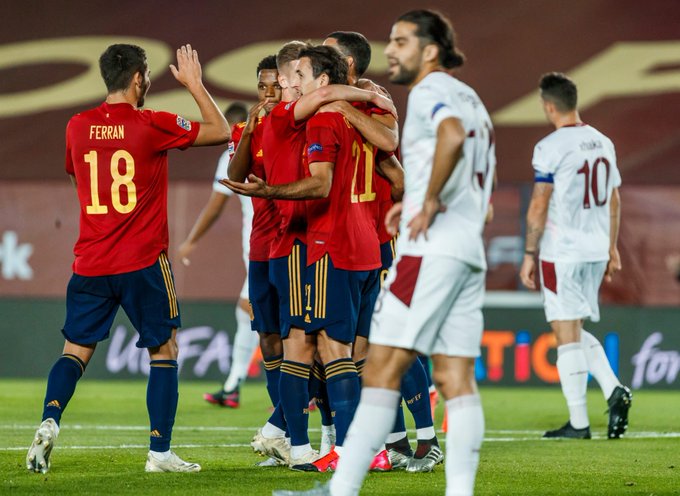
343, 249
116, 155
283, 146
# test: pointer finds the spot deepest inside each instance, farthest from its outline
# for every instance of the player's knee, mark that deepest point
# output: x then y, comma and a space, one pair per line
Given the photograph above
271, 344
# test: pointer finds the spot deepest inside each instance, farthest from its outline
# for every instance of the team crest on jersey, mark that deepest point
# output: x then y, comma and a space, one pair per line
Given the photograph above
183, 123
314, 147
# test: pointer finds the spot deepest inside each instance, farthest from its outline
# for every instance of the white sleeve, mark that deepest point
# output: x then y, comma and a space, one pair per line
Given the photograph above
544, 162
433, 104
221, 173
616, 174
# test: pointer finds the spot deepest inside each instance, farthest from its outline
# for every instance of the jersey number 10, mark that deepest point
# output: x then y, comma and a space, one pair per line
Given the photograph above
593, 185
119, 181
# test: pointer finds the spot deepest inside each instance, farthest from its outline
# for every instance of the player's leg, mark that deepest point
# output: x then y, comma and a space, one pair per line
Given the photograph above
374, 417
415, 391
618, 397
319, 392
154, 287
245, 342
455, 378
457, 346
90, 310
565, 306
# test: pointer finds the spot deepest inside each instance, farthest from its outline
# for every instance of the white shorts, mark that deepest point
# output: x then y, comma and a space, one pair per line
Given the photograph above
431, 304
570, 289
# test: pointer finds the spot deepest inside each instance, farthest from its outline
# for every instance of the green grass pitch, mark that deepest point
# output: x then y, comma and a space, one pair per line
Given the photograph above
103, 442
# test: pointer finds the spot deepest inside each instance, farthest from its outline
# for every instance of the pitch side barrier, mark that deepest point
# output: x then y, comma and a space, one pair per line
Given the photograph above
643, 344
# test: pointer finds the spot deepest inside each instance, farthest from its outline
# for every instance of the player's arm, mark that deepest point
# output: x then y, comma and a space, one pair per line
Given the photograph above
381, 130
537, 215
72, 177
308, 104
210, 213
240, 163
214, 127
391, 169
614, 264
447, 152
318, 185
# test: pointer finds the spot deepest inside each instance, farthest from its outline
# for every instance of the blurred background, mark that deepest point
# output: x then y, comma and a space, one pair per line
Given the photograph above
623, 54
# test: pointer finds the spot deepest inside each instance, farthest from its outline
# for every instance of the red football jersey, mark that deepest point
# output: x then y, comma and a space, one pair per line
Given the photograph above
118, 155
266, 218
343, 224
283, 144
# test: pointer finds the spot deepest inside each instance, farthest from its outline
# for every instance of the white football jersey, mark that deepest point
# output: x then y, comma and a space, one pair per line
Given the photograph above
580, 162
457, 232
246, 202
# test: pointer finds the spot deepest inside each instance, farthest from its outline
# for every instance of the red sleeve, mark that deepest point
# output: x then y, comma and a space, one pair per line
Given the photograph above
322, 138
369, 108
173, 131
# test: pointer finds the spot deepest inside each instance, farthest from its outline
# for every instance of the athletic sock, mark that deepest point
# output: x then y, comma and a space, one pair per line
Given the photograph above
399, 444
272, 371
272, 431
416, 394
61, 384
360, 366
463, 442
319, 390
598, 364
294, 399
344, 387
372, 422
573, 369
161, 401
245, 342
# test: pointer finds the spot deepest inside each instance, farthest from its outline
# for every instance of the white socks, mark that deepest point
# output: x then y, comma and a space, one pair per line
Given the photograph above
270, 431
245, 342
373, 421
598, 364
463, 441
573, 369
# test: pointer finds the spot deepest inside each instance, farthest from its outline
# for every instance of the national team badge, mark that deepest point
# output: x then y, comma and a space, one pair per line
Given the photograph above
183, 123
314, 147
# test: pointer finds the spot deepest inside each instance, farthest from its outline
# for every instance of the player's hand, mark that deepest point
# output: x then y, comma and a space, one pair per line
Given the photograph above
385, 103
614, 264
393, 218
184, 250
527, 273
254, 187
424, 219
188, 70
253, 116
367, 84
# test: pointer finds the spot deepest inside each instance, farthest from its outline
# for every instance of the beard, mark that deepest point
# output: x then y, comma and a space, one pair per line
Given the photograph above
403, 75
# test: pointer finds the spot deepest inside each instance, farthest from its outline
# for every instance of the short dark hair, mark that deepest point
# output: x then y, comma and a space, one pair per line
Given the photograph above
435, 27
560, 90
327, 60
289, 52
236, 112
269, 62
355, 45
119, 63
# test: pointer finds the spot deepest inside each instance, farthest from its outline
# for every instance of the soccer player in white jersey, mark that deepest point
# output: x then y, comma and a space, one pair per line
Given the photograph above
432, 300
574, 214
245, 340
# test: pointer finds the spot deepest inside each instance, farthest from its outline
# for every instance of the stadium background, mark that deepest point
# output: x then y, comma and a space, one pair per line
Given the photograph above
625, 56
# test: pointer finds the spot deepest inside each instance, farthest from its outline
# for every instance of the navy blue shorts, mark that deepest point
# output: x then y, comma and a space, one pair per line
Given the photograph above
263, 299
388, 252
340, 301
147, 296
287, 275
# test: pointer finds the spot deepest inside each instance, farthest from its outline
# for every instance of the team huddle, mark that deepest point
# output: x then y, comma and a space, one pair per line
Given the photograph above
357, 267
